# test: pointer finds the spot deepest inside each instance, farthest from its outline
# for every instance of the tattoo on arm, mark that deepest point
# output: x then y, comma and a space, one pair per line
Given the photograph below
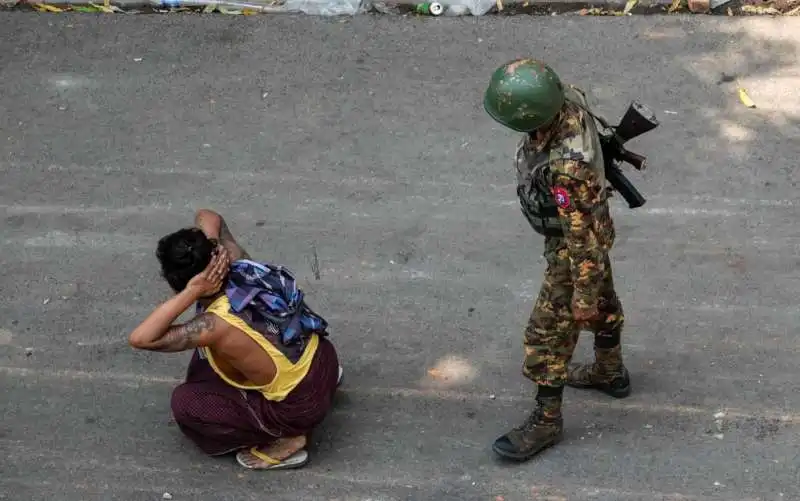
225, 236
185, 336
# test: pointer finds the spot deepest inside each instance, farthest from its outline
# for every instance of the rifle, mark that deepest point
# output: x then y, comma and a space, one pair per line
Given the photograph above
638, 119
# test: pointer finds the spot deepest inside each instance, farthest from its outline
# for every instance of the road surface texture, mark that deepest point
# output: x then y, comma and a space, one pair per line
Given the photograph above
363, 142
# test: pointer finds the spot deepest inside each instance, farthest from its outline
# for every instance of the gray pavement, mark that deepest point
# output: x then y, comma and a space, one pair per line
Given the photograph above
364, 139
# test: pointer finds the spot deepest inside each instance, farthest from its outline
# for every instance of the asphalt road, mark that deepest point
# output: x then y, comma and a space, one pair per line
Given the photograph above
363, 141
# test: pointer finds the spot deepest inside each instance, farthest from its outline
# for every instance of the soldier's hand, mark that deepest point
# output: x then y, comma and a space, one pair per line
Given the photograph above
583, 314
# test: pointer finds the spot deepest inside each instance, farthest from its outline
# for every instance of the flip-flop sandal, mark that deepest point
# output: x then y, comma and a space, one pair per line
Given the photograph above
296, 460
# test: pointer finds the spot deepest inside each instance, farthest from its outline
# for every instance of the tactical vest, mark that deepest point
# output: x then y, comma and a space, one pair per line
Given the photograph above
534, 180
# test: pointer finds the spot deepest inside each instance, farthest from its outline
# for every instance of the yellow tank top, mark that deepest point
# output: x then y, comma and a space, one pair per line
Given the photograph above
287, 375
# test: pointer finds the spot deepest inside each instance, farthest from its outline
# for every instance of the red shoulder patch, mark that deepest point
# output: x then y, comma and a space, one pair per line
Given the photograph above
562, 197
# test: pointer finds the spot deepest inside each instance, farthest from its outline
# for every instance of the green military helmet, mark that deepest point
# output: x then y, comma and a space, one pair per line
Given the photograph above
524, 95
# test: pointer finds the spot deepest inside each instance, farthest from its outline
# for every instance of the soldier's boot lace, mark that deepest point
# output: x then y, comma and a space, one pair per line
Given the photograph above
607, 374
543, 428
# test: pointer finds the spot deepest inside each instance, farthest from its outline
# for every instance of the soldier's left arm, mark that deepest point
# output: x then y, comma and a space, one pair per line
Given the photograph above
577, 193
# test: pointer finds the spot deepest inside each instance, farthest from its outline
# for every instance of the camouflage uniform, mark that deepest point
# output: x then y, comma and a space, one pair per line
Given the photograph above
562, 191
578, 274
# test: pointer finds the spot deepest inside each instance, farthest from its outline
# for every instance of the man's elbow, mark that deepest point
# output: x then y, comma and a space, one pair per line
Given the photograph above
136, 342
205, 214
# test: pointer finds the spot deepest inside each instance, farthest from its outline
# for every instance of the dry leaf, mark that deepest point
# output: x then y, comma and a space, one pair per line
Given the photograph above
756, 9
43, 7
108, 9
499, 5
745, 99
676, 5
730, 12
630, 5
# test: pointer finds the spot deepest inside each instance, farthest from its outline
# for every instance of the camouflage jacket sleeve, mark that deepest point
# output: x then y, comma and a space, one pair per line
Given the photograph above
577, 193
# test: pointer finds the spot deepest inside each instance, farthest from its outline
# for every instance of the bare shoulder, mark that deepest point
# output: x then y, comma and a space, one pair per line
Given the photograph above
200, 330
213, 323
226, 336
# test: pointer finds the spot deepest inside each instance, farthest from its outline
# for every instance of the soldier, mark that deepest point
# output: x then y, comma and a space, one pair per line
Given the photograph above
562, 190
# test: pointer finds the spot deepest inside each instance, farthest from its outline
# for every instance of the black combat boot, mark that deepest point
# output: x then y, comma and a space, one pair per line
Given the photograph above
543, 428
606, 374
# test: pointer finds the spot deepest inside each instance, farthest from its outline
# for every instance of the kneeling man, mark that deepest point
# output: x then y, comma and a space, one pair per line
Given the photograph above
263, 373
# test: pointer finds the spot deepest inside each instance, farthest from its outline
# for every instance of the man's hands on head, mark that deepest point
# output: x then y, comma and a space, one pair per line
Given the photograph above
156, 332
209, 281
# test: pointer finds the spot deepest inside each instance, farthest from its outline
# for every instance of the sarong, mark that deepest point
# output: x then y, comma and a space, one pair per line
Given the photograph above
221, 419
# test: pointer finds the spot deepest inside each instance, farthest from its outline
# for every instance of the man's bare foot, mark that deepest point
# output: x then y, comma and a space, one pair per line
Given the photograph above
284, 453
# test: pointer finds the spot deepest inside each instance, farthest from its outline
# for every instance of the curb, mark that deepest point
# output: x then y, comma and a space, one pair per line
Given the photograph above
728, 8
401, 7
543, 7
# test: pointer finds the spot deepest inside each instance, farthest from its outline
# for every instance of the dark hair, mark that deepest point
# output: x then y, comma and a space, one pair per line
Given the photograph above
183, 255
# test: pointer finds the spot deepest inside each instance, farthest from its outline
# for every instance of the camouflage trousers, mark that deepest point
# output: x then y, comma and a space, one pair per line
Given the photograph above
552, 333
